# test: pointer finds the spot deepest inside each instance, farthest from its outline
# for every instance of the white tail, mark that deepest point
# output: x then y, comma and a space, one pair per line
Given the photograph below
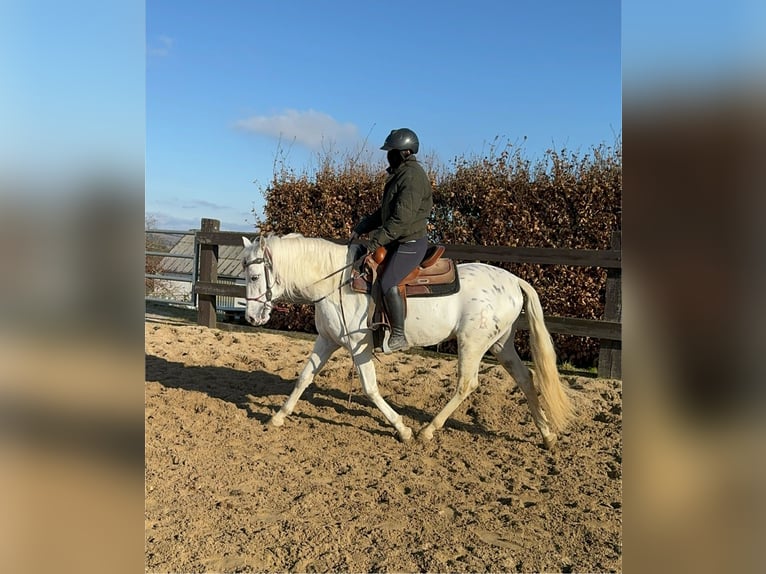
553, 394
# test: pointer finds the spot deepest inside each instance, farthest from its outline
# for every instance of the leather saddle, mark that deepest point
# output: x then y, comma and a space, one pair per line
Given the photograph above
435, 276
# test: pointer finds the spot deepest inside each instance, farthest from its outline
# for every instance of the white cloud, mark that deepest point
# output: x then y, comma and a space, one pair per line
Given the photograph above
231, 222
202, 204
184, 203
310, 128
160, 47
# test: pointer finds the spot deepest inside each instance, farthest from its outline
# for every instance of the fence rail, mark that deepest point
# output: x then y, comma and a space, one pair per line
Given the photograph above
161, 276
608, 330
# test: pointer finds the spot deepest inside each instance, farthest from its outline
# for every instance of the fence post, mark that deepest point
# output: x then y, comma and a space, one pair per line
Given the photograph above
610, 353
208, 272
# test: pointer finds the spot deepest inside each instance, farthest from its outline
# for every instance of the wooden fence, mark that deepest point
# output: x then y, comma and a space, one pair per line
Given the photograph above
608, 330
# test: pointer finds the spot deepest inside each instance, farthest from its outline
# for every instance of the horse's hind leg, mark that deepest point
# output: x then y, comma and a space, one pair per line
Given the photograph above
508, 357
322, 351
467, 381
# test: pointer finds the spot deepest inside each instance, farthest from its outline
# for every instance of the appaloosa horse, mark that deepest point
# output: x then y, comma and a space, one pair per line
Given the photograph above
482, 316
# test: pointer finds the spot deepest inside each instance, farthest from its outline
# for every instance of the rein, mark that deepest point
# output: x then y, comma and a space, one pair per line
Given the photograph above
346, 282
267, 266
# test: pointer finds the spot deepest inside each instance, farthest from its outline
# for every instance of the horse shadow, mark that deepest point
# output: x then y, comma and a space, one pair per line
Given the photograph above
256, 393
240, 388
337, 399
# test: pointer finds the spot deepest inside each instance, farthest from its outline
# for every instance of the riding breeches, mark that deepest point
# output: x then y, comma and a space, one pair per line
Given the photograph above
401, 259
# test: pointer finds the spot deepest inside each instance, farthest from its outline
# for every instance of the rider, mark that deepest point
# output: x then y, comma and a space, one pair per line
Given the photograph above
399, 224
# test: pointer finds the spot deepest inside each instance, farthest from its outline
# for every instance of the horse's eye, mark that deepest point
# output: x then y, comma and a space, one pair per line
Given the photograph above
254, 278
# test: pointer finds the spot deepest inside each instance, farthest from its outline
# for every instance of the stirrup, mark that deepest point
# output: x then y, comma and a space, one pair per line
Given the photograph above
387, 348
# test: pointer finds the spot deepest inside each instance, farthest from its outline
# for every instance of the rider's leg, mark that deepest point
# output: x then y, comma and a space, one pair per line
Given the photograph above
395, 305
405, 257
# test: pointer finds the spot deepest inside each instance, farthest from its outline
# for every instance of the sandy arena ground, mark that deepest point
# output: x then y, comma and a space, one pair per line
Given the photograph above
334, 491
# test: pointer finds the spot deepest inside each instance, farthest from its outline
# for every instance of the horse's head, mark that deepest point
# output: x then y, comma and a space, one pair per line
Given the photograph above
260, 287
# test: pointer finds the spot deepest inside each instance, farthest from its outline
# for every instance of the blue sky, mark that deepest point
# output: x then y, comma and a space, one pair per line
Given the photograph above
190, 95
232, 85
73, 89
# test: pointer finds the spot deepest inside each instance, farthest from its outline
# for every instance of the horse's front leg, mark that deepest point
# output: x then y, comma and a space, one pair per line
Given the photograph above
322, 351
369, 380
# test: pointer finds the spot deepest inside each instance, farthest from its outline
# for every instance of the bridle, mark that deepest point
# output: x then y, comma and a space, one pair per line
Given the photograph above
266, 261
267, 266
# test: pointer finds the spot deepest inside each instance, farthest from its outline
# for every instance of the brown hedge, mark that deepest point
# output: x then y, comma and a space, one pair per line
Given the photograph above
562, 200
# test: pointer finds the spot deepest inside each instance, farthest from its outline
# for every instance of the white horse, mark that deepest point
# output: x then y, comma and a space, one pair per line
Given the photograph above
482, 317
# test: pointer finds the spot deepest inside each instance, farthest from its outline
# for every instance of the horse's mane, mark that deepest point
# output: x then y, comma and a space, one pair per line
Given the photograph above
304, 263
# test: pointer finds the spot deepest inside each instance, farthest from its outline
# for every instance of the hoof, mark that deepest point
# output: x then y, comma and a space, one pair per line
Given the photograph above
276, 421
550, 441
426, 433
405, 435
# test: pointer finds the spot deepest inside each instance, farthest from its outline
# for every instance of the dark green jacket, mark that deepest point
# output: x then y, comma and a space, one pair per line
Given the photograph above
404, 210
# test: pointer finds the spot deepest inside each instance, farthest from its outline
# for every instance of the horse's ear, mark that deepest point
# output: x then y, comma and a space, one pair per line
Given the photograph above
263, 241
246, 242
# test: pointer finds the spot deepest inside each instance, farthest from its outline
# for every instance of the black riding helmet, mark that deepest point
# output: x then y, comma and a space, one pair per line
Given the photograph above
402, 139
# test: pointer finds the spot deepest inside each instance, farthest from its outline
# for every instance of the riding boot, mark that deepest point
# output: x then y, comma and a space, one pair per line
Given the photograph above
395, 307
